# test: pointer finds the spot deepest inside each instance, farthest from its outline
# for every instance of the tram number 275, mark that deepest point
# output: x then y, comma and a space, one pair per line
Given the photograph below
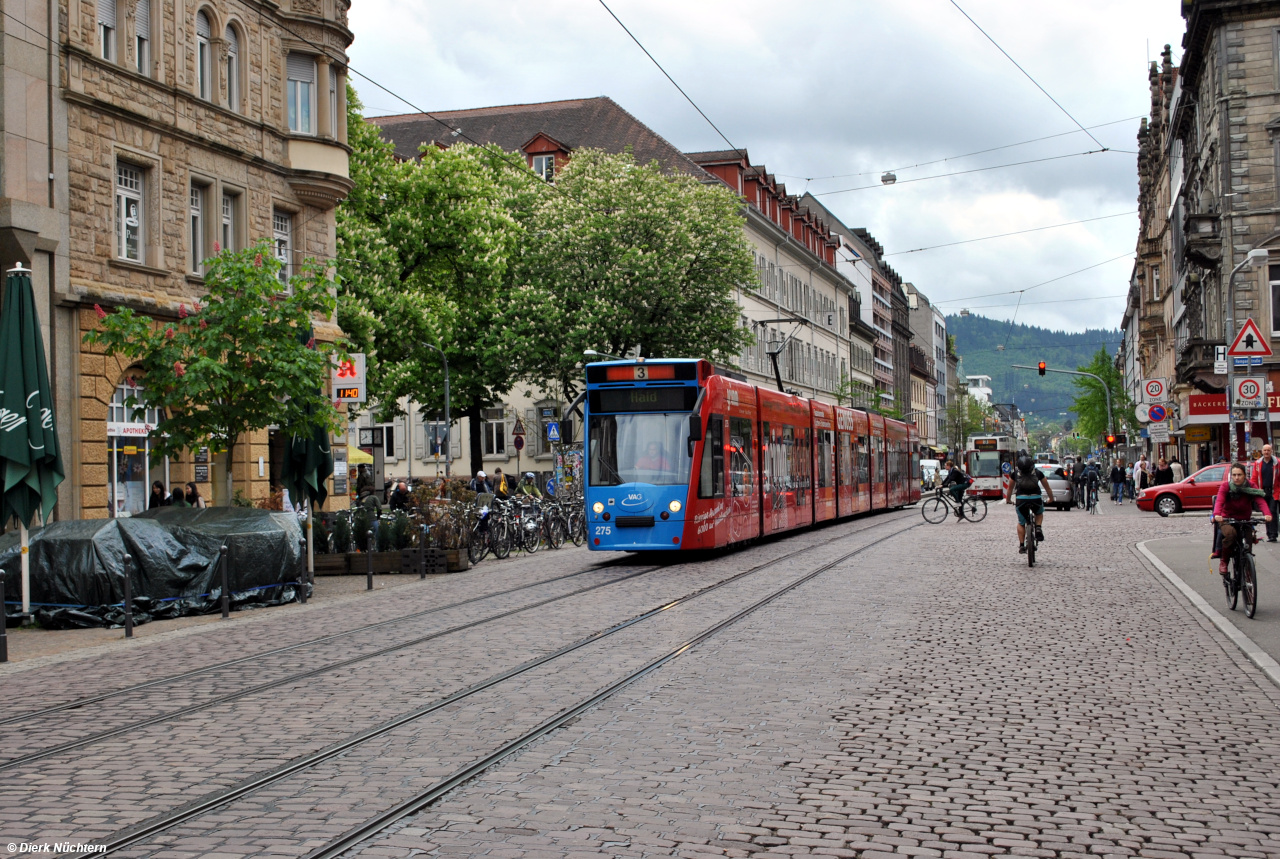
603, 530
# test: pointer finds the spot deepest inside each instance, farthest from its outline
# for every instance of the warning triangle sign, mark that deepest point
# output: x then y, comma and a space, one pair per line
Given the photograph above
1249, 341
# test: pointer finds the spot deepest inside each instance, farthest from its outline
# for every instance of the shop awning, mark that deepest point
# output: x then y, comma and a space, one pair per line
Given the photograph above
356, 456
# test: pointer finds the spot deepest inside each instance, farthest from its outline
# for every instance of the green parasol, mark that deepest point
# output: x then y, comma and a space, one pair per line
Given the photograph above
30, 458
308, 462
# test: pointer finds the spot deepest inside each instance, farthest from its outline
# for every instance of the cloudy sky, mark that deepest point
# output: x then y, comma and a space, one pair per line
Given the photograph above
828, 94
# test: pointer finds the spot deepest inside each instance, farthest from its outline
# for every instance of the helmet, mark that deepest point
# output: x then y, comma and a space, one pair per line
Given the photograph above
1025, 464
528, 475
481, 474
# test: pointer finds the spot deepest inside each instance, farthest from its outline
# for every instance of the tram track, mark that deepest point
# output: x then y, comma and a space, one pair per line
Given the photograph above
170, 715
139, 833
217, 666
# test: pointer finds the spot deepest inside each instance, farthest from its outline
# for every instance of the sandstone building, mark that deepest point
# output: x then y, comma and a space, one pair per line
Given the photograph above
139, 135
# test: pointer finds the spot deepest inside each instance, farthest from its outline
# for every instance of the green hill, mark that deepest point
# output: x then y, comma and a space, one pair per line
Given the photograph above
988, 347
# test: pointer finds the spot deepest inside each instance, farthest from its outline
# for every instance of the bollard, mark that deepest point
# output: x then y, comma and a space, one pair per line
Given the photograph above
4, 632
226, 583
128, 598
370, 548
302, 590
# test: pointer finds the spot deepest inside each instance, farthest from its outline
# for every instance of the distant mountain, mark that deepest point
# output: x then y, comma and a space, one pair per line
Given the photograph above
979, 343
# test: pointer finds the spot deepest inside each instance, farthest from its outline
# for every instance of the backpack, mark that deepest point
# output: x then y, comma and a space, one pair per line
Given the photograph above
1027, 483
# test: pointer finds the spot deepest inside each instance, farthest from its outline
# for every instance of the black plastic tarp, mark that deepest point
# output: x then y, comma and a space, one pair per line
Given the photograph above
76, 567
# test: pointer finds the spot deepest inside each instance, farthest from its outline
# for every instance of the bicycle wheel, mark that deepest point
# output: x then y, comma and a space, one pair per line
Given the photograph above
556, 530
1031, 544
1249, 585
975, 509
477, 545
500, 538
531, 533
1232, 586
934, 510
578, 529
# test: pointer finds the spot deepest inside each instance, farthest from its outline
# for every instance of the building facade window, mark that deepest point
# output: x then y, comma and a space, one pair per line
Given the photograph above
107, 29
1273, 275
333, 102
204, 35
197, 221
495, 433
227, 234
129, 212
282, 236
545, 167
233, 69
301, 93
142, 37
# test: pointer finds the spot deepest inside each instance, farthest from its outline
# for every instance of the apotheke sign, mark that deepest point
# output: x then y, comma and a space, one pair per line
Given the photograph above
118, 428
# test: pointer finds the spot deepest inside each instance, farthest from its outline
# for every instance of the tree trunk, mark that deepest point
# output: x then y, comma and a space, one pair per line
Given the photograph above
230, 467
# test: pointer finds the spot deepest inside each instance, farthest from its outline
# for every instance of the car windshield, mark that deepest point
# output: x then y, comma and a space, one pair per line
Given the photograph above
639, 448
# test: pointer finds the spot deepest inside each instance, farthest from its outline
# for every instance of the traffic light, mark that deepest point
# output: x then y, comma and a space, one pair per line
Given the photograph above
1111, 442
1040, 367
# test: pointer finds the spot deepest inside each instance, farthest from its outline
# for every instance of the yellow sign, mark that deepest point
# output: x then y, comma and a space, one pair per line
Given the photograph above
1199, 433
130, 449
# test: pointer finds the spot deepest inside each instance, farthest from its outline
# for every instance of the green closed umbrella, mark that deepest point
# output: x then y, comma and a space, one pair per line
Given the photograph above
30, 458
308, 462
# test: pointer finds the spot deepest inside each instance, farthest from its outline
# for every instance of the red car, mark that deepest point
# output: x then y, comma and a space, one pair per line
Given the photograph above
1197, 492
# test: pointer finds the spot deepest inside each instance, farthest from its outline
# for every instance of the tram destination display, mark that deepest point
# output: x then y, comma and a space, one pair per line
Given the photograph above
675, 399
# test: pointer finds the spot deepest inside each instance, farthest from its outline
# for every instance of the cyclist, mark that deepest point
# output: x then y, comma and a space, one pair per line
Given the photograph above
1237, 499
1027, 480
1090, 478
528, 487
957, 482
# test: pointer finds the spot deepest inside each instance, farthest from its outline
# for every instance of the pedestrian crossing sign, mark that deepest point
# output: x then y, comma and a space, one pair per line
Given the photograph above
553, 430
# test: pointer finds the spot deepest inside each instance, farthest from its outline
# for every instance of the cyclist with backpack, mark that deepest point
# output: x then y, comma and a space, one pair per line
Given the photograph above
1025, 491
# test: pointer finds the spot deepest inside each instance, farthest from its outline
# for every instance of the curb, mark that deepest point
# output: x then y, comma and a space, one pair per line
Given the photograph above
1256, 654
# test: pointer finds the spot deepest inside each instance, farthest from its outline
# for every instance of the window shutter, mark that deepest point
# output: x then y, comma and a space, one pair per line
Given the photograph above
202, 25
142, 16
419, 435
301, 67
107, 12
400, 452
455, 441
233, 40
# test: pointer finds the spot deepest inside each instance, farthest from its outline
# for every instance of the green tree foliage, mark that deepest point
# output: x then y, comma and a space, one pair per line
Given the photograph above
621, 257
424, 249
235, 362
1090, 404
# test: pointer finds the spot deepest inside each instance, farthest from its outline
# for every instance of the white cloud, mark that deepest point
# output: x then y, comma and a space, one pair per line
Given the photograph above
833, 87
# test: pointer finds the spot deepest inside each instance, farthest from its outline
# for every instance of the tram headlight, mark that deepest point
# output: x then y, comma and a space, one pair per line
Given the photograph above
598, 507
675, 506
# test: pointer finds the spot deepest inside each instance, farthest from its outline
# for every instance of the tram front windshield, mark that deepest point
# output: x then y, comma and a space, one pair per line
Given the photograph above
639, 448
984, 463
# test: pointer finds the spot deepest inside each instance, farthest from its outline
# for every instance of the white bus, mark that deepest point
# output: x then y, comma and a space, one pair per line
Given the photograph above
987, 458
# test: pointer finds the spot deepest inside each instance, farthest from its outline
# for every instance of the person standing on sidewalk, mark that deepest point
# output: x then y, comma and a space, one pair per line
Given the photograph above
1176, 468
1264, 477
1164, 474
1116, 478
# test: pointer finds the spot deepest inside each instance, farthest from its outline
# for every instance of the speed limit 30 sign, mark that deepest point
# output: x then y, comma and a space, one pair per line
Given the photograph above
1250, 392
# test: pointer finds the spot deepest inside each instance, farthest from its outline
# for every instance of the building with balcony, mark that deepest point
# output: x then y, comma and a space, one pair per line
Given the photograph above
150, 134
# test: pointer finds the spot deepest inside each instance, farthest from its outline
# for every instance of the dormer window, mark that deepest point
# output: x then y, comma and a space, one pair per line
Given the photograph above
545, 167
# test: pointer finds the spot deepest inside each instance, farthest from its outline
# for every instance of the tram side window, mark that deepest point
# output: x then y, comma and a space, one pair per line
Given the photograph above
711, 478
864, 461
845, 458
824, 459
804, 441
740, 452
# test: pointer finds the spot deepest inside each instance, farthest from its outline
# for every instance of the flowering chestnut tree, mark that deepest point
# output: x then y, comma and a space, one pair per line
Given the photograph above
236, 360
623, 257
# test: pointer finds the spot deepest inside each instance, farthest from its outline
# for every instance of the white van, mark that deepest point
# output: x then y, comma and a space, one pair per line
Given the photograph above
930, 473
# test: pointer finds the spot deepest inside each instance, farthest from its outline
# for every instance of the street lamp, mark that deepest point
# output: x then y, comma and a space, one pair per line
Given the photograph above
594, 354
448, 424
1255, 255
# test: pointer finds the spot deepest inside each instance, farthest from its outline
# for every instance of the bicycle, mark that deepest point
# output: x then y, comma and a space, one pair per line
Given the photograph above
1242, 578
941, 505
1029, 530
1091, 497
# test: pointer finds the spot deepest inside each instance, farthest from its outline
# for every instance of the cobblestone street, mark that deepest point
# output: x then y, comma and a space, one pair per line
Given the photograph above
927, 696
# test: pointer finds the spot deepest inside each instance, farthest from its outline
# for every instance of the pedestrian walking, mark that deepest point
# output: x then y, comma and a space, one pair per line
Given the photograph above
1163, 473
1263, 475
1116, 478
1178, 474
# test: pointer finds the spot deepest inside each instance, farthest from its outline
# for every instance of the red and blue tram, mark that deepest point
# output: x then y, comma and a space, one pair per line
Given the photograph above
682, 456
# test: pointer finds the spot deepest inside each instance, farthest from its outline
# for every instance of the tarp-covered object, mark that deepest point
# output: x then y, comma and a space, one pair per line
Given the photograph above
76, 566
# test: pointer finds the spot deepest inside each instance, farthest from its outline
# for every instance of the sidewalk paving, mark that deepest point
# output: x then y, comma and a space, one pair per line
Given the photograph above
1188, 557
